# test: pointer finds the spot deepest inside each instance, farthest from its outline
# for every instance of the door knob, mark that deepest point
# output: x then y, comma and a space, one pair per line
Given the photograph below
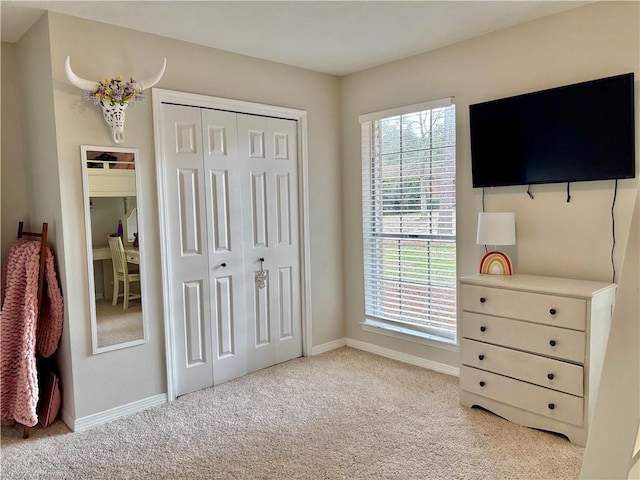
223, 265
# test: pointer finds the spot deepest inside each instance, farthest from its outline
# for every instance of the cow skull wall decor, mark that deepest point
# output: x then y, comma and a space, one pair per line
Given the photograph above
113, 95
114, 116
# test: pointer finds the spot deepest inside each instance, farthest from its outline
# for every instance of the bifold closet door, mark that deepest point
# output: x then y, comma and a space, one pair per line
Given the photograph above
224, 206
204, 246
232, 199
267, 150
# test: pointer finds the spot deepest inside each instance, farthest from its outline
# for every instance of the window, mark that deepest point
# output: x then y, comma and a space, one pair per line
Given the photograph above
409, 219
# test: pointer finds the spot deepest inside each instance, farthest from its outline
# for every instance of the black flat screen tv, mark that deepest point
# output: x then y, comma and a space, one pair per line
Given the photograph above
573, 133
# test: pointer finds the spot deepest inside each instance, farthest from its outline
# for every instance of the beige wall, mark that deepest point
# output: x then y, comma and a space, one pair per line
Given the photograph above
14, 186
40, 162
553, 237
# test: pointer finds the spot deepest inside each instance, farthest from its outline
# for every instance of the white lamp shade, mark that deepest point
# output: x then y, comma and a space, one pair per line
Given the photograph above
496, 228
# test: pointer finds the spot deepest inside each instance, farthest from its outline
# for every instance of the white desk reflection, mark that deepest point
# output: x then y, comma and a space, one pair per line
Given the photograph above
133, 256
103, 253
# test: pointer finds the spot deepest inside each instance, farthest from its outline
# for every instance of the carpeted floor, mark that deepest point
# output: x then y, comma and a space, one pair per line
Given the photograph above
345, 414
116, 325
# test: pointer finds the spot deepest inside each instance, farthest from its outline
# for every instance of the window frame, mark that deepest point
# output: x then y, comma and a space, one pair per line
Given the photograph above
438, 337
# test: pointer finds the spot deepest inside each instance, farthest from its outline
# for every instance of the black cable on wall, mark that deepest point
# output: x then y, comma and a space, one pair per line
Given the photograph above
613, 231
486, 250
613, 221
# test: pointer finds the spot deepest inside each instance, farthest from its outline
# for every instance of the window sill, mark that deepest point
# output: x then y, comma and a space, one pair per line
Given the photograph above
407, 334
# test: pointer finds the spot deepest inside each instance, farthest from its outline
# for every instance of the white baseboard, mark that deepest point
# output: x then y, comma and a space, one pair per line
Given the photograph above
325, 347
114, 413
403, 357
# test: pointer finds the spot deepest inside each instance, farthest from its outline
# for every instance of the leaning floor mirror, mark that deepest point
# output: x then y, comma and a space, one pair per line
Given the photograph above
114, 254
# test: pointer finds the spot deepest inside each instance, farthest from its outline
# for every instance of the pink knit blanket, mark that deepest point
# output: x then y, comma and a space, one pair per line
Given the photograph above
24, 332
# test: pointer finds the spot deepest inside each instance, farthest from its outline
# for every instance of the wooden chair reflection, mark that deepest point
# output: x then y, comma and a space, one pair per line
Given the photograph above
121, 273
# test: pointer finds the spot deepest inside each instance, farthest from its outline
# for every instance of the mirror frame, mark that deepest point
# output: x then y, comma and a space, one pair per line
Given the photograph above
85, 149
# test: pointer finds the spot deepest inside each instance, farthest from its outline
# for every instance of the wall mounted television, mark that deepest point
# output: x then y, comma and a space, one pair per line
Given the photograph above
573, 133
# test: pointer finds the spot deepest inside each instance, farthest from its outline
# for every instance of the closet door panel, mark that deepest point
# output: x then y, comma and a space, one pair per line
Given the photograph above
282, 142
285, 302
259, 207
189, 300
194, 324
220, 200
225, 317
189, 192
224, 223
283, 210
262, 325
268, 152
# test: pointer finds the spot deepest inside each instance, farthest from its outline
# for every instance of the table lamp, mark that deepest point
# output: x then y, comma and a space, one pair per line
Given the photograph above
496, 228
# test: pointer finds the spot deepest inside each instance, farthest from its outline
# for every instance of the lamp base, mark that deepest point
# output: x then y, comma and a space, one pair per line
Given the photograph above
496, 263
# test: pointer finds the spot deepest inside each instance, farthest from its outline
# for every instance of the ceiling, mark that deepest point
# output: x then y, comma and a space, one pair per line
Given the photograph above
335, 37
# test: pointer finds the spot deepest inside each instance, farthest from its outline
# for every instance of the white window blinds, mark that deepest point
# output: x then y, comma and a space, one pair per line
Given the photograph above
409, 217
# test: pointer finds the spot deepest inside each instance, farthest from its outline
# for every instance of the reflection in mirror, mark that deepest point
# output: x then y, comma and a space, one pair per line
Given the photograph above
112, 216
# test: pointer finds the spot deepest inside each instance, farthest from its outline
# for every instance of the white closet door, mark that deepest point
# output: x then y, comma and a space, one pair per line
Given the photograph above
231, 192
269, 184
224, 225
188, 251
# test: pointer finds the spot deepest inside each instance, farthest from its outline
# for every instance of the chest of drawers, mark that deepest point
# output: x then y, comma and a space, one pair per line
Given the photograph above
532, 348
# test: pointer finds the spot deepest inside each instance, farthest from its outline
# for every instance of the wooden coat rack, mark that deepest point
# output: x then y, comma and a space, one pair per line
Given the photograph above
43, 255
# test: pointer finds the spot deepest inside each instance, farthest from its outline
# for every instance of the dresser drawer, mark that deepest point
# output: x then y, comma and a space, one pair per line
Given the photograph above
542, 401
533, 307
550, 341
565, 377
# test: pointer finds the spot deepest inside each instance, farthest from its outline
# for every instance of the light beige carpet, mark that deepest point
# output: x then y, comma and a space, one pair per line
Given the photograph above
116, 325
345, 414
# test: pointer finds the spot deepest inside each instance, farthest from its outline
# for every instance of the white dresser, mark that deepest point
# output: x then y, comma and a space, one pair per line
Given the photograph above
532, 348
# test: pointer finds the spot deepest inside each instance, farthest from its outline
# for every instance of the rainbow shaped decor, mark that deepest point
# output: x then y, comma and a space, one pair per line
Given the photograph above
496, 263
